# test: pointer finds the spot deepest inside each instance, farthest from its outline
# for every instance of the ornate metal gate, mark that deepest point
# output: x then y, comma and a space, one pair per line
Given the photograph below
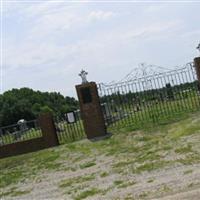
150, 98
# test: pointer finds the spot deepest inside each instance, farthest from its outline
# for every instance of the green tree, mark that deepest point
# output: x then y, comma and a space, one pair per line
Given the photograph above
27, 104
46, 109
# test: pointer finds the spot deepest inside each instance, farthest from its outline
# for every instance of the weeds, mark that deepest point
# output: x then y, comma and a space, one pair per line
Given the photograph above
76, 180
87, 164
104, 174
87, 193
184, 150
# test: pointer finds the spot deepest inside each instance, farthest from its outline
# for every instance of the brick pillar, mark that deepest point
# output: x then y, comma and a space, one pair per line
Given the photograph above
48, 128
197, 67
91, 113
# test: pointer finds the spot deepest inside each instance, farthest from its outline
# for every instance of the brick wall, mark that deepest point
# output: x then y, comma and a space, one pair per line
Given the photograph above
48, 139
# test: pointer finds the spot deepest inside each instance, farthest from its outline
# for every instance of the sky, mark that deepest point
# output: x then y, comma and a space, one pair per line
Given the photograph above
45, 44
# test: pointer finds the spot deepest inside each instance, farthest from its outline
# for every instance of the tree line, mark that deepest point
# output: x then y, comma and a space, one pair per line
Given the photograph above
168, 92
27, 104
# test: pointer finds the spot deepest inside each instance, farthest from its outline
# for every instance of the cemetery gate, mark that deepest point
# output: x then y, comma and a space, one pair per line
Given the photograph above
154, 98
69, 127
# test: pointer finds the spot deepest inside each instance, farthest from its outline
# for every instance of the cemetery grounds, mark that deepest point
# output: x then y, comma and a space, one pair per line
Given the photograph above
150, 162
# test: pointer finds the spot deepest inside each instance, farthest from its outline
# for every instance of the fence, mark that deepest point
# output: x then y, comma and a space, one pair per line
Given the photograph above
28, 136
151, 99
66, 131
69, 130
148, 99
19, 132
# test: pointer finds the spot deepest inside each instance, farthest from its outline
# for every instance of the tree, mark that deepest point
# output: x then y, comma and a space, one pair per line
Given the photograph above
27, 104
46, 109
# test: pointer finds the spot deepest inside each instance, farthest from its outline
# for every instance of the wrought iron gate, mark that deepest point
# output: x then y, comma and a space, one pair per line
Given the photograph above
150, 98
69, 130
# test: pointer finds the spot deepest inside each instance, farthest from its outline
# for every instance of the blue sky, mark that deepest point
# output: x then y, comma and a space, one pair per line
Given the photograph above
46, 44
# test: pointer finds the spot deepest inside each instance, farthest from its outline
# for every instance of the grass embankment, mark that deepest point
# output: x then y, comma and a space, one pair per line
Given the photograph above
153, 112
88, 168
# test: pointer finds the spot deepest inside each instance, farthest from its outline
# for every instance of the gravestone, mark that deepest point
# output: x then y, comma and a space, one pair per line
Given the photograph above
22, 125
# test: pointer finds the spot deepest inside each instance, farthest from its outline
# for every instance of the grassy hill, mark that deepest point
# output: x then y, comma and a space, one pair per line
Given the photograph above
153, 162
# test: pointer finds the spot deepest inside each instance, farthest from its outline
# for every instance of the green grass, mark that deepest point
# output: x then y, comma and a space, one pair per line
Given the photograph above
143, 195
150, 181
8, 177
183, 150
14, 192
126, 184
191, 185
19, 192
118, 182
165, 188
87, 193
104, 174
28, 135
122, 164
150, 155
76, 180
157, 113
18, 168
87, 164
189, 171
190, 159
149, 166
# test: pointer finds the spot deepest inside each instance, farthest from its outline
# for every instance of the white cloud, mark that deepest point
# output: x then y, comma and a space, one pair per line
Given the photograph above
155, 30
156, 7
100, 15
63, 19
191, 33
60, 39
103, 43
48, 24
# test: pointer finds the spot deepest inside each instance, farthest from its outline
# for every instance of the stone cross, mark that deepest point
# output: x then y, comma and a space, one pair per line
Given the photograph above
83, 76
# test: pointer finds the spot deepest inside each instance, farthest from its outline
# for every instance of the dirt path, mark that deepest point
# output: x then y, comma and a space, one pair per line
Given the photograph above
188, 195
135, 165
181, 182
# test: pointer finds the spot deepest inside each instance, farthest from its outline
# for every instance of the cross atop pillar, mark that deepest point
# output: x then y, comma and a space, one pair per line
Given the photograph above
83, 74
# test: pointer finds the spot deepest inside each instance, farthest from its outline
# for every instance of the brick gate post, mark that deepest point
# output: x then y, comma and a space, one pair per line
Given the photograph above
91, 112
48, 128
197, 67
